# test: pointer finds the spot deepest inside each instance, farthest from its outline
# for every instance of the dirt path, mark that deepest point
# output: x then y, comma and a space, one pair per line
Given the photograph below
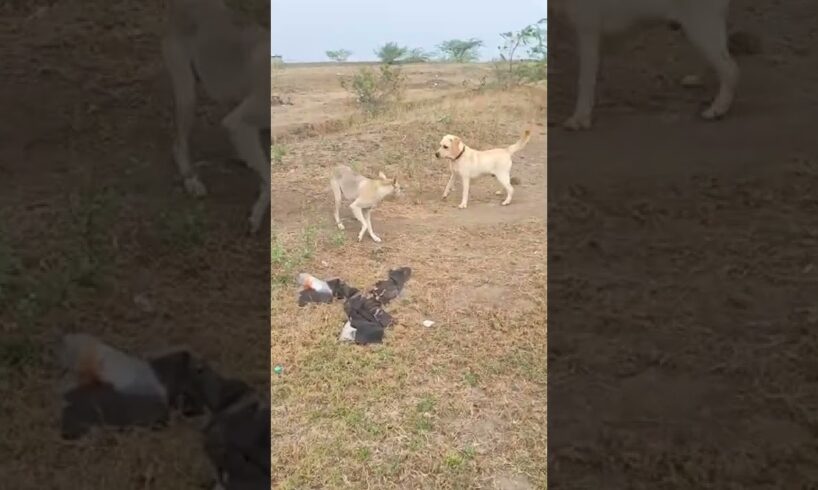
428, 212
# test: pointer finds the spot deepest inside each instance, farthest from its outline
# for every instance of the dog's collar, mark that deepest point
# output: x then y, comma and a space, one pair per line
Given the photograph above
460, 154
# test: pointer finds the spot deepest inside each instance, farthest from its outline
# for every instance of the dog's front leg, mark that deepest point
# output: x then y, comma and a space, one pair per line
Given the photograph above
356, 211
369, 226
586, 85
184, 96
449, 185
464, 200
245, 136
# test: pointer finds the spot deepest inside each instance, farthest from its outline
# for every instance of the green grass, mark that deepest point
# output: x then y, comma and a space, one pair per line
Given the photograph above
18, 353
81, 260
10, 267
185, 228
286, 261
471, 378
277, 154
425, 405
456, 460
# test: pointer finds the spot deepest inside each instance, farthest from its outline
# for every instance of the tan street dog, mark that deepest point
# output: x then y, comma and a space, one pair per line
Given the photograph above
469, 164
364, 193
230, 56
703, 21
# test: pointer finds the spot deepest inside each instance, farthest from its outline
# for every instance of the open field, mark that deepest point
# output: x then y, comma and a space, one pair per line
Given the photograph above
318, 97
460, 404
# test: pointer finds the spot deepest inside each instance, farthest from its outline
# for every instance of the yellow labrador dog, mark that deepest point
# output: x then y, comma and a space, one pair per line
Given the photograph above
364, 193
469, 164
703, 21
230, 56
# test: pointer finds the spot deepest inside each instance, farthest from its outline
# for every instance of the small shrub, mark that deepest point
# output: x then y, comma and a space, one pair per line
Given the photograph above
376, 91
533, 71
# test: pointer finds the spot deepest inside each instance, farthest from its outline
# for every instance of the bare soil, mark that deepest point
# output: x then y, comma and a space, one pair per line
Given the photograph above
682, 282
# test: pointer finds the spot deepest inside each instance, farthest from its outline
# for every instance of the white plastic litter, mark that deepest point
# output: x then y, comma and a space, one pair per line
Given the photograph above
428, 323
84, 356
347, 333
307, 281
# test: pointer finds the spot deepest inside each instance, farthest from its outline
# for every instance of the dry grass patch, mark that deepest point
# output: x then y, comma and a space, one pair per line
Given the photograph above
444, 407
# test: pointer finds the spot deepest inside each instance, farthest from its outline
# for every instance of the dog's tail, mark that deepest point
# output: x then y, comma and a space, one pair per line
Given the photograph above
520, 144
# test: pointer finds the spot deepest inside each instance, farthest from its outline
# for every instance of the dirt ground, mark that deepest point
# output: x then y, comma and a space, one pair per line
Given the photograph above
682, 277
456, 405
97, 235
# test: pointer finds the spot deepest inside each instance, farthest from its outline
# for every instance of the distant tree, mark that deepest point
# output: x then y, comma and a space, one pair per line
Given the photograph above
539, 38
532, 36
460, 51
339, 55
417, 55
391, 53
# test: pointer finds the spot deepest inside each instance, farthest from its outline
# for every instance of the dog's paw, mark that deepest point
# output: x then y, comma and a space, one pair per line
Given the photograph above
361, 238
340, 226
376, 239
505, 203
713, 114
444, 197
195, 187
577, 123
462, 206
253, 226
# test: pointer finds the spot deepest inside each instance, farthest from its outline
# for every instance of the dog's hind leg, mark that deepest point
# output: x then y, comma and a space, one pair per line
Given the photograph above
184, 95
586, 85
243, 123
336, 191
505, 181
368, 215
360, 217
708, 33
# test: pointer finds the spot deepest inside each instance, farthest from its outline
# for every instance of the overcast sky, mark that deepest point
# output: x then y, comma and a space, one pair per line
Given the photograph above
302, 30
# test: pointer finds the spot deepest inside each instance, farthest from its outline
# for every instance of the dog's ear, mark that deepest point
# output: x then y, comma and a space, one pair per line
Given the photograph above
456, 145
382, 176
